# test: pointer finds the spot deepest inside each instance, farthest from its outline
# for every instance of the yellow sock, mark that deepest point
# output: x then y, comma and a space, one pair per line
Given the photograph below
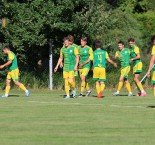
7, 90
72, 83
22, 87
140, 86
83, 84
128, 87
67, 87
120, 85
102, 87
87, 86
98, 88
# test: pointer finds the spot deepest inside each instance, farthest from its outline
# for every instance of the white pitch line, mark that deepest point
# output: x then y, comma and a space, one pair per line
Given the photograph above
127, 106
63, 103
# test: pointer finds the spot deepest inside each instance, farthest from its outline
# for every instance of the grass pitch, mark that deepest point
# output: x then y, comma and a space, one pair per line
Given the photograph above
45, 118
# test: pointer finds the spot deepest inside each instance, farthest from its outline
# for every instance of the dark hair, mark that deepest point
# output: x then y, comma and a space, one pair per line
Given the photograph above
7, 46
131, 40
84, 39
121, 42
152, 38
98, 44
71, 38
66, 38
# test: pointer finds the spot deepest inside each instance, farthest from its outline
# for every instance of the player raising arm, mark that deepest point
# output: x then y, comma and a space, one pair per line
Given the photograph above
99, 58
13, 72
152, 61
124, 56
137, 65
68, 54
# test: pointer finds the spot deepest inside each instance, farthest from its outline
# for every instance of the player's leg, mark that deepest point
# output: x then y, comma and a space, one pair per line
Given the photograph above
124, 75
7, 88
128, 87
83, 84
72, 82
102, 86
137, 70
21, 86
153, 81
98, 88
102, 78
139, 85
87, 84
120, 85
67, 87
96, 79
15, 78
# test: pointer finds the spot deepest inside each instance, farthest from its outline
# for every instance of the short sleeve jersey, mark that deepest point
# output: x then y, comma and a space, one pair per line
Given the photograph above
133, 53
153, 53
99, 57
84, 55
69, 55
124, 57
12, 56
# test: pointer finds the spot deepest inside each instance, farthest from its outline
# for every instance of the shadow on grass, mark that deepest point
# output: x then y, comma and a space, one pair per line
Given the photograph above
152, 106
13, 95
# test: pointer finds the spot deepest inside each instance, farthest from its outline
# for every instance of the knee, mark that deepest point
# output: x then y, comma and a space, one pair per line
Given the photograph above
7, 83
135, 79
83, 79
17, 83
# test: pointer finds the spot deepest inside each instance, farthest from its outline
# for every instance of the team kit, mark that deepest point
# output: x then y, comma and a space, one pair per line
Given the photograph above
76, 60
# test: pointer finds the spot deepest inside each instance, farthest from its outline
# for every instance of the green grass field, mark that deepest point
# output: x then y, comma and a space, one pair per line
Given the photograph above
45, 118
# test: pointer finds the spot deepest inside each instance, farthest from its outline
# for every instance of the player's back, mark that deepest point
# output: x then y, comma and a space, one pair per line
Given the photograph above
100, 58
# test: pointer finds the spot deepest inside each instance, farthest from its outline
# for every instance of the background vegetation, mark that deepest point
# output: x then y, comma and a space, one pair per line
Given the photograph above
31, 23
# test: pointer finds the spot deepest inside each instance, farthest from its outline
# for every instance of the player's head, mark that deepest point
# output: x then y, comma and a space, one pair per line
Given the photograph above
84, 41
6, 49
71, 39
131, 42
120, 45
66, 42
153, 39
98, 44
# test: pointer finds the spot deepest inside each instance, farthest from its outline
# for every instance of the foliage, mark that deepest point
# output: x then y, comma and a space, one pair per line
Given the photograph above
31, 24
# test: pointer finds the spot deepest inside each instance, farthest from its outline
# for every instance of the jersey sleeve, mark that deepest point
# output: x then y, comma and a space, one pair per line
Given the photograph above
116, 54
11, 56
76, 51
107, 55
91, 57
90, 51
61, 54
153, 51
136, 50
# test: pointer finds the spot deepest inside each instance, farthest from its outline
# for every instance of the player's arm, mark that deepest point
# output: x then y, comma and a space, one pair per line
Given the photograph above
87, 61
110, 61
58, 64
116, 55
137, 55
151, 65
10, 59
6, 64
76, 52
59, 61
